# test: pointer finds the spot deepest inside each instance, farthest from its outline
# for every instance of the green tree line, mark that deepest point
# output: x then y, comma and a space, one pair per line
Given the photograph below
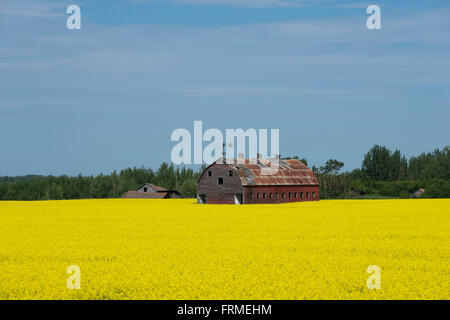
113, 185
387, 173
383, 173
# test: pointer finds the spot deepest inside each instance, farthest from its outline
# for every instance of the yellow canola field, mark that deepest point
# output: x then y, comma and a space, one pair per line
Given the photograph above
176, 249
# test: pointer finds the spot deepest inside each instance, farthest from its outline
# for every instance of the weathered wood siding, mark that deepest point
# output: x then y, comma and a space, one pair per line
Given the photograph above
149, 188
219, 193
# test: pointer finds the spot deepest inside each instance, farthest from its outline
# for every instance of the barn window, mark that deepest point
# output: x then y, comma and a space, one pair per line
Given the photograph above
283, 195
276, 195
289, 195
314, 195
301, 195
251, 196
257, 196
219, 180
264, 195
209, 173
230, 173
307, 195
295, 194
145, 189
270, 195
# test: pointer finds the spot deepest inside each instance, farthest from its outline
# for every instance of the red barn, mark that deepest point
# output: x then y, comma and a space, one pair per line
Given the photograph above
244, 183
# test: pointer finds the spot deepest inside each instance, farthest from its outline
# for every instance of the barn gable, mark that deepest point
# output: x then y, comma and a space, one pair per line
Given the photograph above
148, 187
228, 185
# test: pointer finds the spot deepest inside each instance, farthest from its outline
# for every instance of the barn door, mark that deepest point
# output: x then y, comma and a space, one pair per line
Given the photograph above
238, 199
201, 198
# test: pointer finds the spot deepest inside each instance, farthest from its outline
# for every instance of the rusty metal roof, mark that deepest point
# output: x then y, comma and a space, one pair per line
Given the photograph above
257, 172
157, 188
144, 195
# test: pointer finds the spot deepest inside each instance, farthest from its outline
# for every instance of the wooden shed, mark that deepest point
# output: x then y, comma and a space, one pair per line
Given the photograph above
245, 183
151, 191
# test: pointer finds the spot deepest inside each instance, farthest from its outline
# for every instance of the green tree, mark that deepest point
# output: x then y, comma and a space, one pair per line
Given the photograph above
380, 164
188, 188
55, 192
332, 184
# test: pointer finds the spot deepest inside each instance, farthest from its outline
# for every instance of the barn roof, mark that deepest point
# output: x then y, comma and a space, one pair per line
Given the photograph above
144, 195
155, 187
290, 172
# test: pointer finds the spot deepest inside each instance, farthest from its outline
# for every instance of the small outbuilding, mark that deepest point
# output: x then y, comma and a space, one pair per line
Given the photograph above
418, 193
150, 191
244, 182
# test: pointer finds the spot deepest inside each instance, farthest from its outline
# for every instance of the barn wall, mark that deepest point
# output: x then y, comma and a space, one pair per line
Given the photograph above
216, 193
220, 200
279, 189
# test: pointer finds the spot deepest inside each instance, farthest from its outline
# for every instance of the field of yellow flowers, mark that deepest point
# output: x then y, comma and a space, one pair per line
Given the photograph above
176, 249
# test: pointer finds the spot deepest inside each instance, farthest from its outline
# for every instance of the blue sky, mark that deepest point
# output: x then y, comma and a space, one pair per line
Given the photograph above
108, 96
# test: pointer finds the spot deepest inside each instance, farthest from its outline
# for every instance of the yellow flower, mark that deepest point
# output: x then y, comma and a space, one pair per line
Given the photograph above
176, 249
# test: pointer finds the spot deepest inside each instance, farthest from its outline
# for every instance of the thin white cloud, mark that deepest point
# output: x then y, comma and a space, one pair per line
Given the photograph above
32, 9
244, 3
352, 5
269, 3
